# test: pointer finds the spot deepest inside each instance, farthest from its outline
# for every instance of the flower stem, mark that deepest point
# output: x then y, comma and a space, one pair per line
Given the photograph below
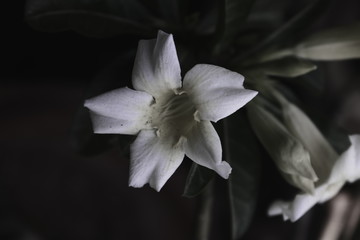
203, 224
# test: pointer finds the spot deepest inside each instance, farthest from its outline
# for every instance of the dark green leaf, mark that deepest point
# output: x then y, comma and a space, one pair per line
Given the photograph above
338, 43
337, 136
236, 12
332, 44
310, 100
244, 153
288, 67
308, 93
169, 10
197, 179
269, 13
231, 16
290, 29
91, 17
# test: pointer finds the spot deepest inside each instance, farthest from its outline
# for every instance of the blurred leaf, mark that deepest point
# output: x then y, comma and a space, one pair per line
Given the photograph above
232, 15
236, 12
288, 67
269, 13
290, 29
169, 10
197, 179
313, 104
91, 17
205, 210
335, 44
336, 135
308, 88
244, 153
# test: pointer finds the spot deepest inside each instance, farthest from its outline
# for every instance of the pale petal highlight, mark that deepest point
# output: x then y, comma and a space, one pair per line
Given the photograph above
216, 91
302, 203
156, 67
203, 146
153, 160
122, 110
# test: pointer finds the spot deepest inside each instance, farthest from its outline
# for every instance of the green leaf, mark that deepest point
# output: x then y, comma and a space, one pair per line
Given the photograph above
288, 67
91, 17
244, 153
335, 44
197, 179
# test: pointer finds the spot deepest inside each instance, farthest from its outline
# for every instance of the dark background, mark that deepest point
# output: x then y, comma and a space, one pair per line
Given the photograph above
50, 191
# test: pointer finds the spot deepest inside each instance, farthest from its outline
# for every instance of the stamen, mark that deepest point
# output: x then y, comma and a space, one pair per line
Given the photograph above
175, 115
197, 116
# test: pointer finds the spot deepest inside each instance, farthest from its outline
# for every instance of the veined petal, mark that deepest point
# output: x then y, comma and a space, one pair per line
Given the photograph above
156, 67
216, 91
153, 160
122, 111
203, 146
303, 202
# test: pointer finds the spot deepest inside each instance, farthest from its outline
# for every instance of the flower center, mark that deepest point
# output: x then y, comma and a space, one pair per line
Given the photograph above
173, 116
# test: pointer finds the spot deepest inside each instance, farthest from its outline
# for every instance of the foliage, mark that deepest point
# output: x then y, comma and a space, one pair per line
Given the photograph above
230, 33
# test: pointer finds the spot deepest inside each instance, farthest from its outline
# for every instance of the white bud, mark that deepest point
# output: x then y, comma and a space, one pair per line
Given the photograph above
289, 154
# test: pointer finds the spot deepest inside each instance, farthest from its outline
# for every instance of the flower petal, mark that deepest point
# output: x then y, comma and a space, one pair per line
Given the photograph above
153, 160
304, 184
122, 111
304, 202
347, 167
216, 91
288, 210
108, 125
156, 68
355, 141
203, 146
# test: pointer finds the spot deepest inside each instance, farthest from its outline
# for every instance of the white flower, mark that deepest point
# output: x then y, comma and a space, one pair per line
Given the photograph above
332, 170
171, 117
345, 169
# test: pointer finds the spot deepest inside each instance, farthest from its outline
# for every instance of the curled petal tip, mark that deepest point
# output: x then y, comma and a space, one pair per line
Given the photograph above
223, 169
